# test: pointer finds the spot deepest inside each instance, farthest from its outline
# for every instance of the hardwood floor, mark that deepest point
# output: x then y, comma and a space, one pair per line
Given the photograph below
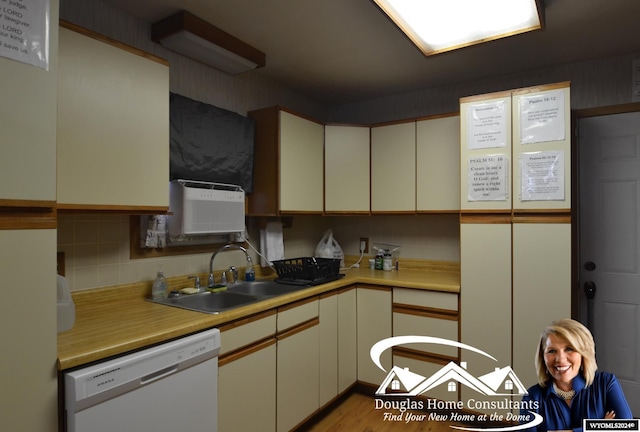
357, 413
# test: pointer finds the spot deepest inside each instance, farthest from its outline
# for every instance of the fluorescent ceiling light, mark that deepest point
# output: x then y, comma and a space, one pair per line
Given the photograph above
442, 25
195, 38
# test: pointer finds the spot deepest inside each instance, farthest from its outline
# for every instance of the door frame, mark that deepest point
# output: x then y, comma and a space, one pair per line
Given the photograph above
576, 116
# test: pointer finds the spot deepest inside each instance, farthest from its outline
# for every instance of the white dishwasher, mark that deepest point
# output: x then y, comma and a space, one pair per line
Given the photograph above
169, 387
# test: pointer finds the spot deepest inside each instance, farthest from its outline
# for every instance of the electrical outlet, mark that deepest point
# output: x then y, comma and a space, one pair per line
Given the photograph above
364, 244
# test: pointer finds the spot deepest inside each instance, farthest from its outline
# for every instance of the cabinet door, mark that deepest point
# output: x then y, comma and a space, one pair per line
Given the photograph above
328, 332
347, 169
28, 124
247, 374
541, 287
28, 310
426, 313
485, 296
374, 324
298, 364
438, 164
347, 339
248, 383
301, 164
113, 126
393, 168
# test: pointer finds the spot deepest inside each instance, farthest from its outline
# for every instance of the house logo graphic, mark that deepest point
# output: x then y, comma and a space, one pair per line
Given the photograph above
501, 382
490, 384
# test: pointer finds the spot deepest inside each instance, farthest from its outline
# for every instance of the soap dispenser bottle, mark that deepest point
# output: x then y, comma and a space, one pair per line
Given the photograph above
159, 289
250, 272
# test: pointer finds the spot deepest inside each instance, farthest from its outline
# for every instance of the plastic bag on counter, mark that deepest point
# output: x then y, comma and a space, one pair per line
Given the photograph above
328, 247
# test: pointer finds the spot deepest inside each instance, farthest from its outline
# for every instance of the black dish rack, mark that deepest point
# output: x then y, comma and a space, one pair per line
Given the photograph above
307, 270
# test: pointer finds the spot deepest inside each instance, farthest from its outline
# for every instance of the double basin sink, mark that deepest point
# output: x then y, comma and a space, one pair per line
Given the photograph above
236, 295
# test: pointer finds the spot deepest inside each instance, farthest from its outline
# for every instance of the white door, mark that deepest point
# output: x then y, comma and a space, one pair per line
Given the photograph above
609, 221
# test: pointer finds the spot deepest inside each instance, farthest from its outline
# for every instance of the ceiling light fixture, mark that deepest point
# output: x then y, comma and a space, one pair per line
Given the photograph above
437, 26
193, 37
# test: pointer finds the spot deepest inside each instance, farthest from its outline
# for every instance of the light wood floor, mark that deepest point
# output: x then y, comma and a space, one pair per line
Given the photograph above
358, 414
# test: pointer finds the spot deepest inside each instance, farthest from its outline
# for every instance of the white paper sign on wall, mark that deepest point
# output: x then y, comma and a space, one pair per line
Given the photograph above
24, 31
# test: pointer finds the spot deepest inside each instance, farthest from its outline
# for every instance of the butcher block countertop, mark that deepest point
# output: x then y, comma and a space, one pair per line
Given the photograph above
114, 320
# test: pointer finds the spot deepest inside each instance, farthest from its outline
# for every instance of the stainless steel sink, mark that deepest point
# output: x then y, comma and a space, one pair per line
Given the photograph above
236, 295
210, 302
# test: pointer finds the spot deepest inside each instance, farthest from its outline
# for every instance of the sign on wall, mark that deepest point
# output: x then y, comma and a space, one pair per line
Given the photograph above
24, 31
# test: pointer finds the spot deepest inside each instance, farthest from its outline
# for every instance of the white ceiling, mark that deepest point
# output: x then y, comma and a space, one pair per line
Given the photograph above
341, 51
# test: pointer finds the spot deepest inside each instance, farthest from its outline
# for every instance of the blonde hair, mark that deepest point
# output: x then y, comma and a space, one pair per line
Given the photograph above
579, 337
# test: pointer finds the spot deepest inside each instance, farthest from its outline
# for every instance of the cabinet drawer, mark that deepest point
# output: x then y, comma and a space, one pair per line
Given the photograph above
407, 324
296, 313
428, 299
246, 331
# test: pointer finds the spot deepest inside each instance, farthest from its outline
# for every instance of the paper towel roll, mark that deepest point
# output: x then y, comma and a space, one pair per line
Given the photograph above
271, 243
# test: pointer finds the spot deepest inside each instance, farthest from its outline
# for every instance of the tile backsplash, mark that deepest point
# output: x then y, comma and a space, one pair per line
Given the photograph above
96, 247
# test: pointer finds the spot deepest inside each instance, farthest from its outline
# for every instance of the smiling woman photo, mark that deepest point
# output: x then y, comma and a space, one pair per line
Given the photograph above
570, 388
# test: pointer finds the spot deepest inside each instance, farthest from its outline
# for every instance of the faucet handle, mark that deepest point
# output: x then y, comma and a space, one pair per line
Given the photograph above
196, 282
234, 274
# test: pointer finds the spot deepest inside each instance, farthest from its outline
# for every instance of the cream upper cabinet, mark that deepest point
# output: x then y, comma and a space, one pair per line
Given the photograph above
288, 169
301, 154
485, 152
437, 164
393, 168
28, 123
347, 169
113, 126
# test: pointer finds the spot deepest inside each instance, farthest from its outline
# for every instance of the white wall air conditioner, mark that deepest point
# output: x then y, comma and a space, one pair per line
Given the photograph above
205, 208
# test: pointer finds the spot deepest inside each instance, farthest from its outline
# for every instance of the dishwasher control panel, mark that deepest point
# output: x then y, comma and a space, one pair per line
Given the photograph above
141, 367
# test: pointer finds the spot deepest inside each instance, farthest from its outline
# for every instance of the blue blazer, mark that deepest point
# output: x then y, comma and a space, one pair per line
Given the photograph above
590, 402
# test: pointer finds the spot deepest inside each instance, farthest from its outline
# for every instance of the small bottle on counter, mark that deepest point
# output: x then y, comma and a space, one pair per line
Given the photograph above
387, 264
159, 289
250, 272
379, 258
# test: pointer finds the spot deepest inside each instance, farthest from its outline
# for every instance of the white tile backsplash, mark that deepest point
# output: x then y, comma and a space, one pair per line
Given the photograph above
97, 246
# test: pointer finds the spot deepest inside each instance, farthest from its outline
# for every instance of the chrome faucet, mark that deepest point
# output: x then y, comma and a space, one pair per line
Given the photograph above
212, 281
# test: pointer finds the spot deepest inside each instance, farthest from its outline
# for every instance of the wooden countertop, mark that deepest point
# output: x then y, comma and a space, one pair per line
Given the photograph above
112, 321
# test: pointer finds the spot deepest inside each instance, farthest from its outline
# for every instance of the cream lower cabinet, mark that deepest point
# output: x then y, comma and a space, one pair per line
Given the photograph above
432, 314
328, 330
247, 375
338, 333
113, 126
374, 324
347, 339
541, 287
485, 297
298, 363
